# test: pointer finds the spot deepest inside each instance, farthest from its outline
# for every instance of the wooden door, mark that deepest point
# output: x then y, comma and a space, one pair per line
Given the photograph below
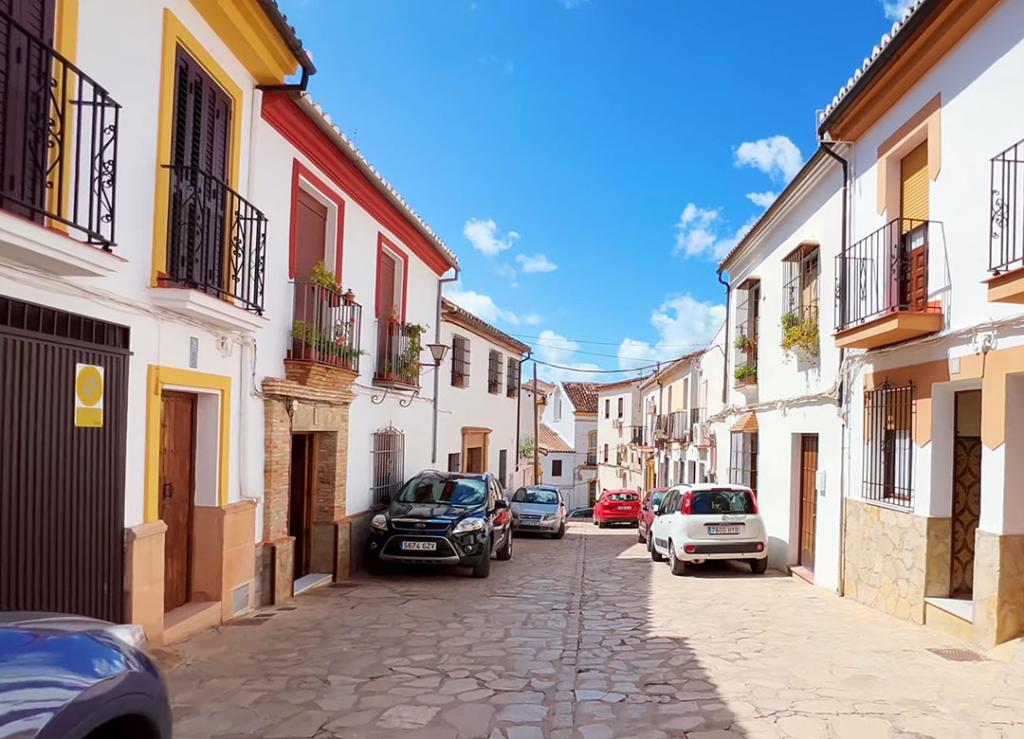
310, 248
177, 490
25, 72
475, 459
808, 498
386, 286
300, 503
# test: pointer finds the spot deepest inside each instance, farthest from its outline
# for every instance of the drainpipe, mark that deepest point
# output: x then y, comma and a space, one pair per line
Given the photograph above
725, 349
827, 148
437, 370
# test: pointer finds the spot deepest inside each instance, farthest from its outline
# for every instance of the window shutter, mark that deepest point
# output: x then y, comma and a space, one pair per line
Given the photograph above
202, 119
914, 191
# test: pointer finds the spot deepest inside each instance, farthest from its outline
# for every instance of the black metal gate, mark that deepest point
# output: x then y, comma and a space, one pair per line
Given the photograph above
61, 485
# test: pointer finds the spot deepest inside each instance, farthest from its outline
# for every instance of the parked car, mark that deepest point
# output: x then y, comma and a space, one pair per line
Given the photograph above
617, 506
538, 508
581, 514
695, 523
70, 677
646, 516
444, 518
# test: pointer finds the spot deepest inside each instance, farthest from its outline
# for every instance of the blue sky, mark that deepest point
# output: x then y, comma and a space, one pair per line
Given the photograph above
588, 160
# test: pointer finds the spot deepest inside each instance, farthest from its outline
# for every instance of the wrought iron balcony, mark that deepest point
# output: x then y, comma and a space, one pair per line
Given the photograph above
1006, 236
58, 160
675, 426
591, 458
217, 240
882, 287
398, 353
636, 435
326, 326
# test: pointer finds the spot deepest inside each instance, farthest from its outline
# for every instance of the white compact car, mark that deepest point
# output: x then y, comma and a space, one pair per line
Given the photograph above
695, 523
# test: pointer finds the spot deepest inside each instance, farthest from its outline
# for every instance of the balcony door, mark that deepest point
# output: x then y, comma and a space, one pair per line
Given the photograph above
912, 274
197, 254
26, 41
310, 248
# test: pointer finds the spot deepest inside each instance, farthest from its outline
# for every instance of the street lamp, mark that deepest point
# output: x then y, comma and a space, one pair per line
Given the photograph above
438, 352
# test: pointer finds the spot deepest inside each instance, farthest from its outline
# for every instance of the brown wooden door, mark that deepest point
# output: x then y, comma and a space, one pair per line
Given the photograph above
310, 234
300, 503
475, 459
177, 488
25, 71
386, 286
808, 498
966, 513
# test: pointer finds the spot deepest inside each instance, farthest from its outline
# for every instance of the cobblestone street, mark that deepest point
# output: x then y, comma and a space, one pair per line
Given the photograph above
584, 637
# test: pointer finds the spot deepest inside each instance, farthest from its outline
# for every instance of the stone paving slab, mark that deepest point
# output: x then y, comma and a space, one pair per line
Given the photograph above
584, 638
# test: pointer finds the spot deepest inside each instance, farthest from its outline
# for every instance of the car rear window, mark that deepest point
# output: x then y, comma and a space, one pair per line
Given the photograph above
468, 492
622, 496
711, 502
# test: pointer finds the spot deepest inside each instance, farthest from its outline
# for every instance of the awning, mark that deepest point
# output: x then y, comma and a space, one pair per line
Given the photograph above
747, 424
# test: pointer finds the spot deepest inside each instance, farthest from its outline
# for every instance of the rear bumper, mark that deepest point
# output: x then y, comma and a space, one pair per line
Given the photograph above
616, 517
723, 550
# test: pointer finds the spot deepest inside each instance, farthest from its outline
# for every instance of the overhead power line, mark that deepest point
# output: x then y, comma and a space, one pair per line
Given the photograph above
596, 371
608, 343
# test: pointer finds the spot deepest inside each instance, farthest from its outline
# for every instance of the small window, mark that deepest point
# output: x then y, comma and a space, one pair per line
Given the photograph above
454, 462
607, 408
460, 361
620, 407
889, 445
556, 467
388, 462
743, 460
605, 452
747, 306
512, 377
494, 372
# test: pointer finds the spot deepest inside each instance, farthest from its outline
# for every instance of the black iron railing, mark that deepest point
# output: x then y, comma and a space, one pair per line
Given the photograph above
591, 458
325, 326
1006, 246
58, 149
889, 445
217, 240
636, 435
885, 272
675, 425
398, 353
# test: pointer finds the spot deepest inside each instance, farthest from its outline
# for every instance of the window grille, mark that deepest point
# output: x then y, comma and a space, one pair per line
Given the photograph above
800, 291
494, 372
460, 361
743, 460
512, 377
388, 459
748, 299
889, 445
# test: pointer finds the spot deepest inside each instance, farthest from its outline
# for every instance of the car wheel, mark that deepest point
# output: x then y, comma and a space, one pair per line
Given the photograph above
561, 531
483, 567
504, 552
601, 524
678, 566
596, 522
373, 564
759, 566
655, 556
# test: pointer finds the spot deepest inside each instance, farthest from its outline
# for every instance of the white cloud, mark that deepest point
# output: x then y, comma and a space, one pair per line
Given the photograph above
556, 349
480, 305
509, 273
894, 9
532, 319
776, 156
483, 235
699, 233
535, 263
762, 199
683, 323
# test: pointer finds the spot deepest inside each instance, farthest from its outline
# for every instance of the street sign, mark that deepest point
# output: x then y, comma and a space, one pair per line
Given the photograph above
88, 396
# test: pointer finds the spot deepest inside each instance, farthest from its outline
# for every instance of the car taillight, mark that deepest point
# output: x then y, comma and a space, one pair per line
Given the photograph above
753, 499
686, 508
690, 549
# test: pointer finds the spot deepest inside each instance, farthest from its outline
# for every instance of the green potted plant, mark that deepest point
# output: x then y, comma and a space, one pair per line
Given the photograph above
745, 374
327, 281
744, 343
800, 336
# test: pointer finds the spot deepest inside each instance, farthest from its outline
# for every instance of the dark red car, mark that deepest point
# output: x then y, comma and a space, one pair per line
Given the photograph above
617, 506
646, 516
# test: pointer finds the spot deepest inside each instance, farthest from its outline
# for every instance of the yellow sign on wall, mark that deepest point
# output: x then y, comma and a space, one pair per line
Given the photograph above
88, 396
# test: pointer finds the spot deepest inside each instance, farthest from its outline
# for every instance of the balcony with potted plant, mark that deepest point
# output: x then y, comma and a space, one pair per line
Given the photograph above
326, 324
399, 346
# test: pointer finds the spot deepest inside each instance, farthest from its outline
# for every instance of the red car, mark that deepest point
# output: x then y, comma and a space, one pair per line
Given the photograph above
617, 506
646, 517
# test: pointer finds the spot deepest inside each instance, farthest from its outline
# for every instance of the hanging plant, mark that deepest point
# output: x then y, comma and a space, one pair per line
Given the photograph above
744, 343
800, 337
746, 375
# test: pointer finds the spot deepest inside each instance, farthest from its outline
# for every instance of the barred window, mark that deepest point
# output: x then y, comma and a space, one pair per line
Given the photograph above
512, 377
460, 361
494, 372
747, 310
889, 445
556, 468
388, 460
743, 459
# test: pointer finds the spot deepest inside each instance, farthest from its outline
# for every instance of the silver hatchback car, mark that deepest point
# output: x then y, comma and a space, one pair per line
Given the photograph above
539, 508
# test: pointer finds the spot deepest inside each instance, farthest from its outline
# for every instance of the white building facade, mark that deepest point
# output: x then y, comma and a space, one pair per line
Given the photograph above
620, 463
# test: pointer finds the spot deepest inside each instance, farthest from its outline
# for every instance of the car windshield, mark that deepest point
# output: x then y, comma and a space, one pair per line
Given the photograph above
656, 498
621, 496
459, 491
535, 495
710, 502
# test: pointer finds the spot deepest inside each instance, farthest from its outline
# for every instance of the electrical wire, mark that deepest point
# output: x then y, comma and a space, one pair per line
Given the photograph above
597, 371
606, 343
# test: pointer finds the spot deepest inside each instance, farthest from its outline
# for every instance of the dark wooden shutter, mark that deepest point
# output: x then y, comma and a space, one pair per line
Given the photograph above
202, 119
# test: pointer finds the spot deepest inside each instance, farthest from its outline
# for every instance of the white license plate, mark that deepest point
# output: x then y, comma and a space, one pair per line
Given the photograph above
625, 507
419, 546
723, 530
529, 522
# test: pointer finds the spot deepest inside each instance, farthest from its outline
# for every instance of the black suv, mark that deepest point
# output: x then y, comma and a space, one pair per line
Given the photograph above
445, 518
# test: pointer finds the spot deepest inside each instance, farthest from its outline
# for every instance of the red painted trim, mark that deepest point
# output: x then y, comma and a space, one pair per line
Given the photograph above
289, 120
383, 241
300, 170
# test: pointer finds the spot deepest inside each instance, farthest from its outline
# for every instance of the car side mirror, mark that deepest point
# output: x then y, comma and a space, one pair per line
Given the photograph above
656, 510
500, 504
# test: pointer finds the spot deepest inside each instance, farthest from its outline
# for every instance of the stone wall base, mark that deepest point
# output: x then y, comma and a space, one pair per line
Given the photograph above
998, 587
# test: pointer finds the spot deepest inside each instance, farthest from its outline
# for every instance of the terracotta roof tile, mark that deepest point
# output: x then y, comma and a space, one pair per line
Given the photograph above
582, 395
482, 325
550, 441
